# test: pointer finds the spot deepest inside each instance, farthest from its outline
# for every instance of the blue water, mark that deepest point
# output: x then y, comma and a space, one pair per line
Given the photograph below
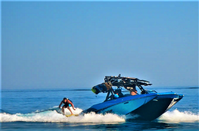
35, 110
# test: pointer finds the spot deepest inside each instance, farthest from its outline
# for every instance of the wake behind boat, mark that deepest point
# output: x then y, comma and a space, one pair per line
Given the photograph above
146, 105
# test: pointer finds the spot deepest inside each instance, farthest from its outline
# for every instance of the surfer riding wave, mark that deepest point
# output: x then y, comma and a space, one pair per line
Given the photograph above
66, 103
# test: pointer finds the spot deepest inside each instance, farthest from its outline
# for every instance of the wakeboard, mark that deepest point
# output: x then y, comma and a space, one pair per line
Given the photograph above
72, 115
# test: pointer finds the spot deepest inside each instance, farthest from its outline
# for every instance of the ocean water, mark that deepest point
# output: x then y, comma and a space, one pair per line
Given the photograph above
35, 110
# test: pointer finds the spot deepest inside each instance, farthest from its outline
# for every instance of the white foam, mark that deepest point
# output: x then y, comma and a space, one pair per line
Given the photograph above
176, 116
53, 116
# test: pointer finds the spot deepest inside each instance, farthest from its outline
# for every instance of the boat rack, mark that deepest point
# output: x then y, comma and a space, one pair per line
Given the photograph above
126, 81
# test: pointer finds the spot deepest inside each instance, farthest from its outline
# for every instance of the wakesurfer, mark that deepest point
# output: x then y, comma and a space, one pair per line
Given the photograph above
66, 103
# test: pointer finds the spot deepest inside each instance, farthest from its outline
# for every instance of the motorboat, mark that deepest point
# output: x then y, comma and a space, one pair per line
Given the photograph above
142, 104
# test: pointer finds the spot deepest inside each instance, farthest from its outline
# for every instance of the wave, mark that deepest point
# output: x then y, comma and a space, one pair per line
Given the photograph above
176, 116
53, 116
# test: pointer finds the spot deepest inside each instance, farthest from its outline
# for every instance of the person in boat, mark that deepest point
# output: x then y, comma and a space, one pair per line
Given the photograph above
118, 93
132, 89
66, 103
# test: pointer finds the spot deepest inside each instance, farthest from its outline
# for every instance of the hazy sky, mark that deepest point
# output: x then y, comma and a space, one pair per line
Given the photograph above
75, 44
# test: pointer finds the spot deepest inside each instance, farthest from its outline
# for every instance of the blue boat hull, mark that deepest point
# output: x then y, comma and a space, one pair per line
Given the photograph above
156, 107
144, 107
123, 105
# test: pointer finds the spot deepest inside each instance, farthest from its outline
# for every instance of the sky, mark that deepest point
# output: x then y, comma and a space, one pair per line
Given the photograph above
75, 44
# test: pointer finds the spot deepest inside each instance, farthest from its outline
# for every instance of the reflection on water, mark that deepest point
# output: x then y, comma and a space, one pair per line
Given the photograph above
128, 125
